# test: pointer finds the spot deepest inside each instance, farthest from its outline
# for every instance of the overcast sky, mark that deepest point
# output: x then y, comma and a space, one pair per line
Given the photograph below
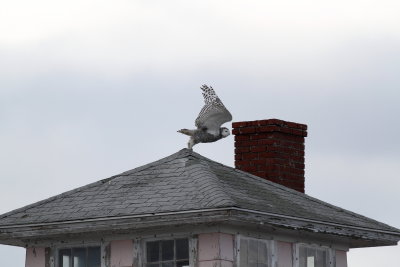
89, 89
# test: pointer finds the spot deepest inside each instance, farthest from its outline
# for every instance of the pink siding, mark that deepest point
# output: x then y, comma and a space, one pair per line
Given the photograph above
284, 254
215, 250
122, 253
35, 257
341, 258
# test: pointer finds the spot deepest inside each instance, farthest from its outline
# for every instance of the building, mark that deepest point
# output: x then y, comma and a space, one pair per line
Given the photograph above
187, 210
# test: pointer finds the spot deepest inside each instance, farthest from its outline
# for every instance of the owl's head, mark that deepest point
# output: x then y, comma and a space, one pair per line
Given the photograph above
225, 132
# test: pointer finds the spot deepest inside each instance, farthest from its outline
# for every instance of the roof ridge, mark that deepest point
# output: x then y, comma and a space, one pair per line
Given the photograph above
213, 186
179, 154
292, 191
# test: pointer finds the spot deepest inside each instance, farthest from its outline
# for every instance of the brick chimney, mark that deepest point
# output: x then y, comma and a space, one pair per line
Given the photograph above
272, 149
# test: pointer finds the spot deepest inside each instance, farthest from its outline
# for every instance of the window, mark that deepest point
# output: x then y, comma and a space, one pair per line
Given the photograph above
312, 256
167, 253
255, 253
79, 257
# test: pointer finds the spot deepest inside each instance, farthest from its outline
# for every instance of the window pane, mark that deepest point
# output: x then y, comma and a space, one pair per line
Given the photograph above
321, 258
79, 255
94, 257
253, 252
152, 251
243, 252
310, 261
262, 252
182, 249
302, 256
167, 250
64, 258
182, 263
311, 257
167, 264
152, 265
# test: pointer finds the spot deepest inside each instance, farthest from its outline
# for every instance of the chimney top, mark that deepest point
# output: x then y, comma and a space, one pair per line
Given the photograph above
272, 149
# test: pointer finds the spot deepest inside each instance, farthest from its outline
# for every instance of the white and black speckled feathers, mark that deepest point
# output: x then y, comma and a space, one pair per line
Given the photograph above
209, 120
213, 114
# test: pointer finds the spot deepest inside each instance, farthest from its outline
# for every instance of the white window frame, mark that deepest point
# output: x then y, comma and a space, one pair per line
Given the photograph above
271, 245
192, 241
330, 253
72, 246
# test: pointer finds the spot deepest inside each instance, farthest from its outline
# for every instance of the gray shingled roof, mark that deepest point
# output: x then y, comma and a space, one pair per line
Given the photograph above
181, 182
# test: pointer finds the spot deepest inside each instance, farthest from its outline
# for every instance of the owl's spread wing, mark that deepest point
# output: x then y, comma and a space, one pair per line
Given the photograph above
213, 114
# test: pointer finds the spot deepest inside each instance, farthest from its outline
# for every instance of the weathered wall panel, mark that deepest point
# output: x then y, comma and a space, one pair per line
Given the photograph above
216, 263
341, 258
121, 253
35, 257
215, 249
285, 254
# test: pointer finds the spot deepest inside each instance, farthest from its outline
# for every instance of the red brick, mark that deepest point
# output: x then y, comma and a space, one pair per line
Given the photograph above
268, 154
249, 143
299, 132
275, 121
259, 162
254, 123
241, 163
238, 157
236, 131
248, 156
247, 130
261, 174
299, 165
242, 150
258, 136
268, 168
268, 128
249, 168
258, 148
239, 124
268, 142
242, 137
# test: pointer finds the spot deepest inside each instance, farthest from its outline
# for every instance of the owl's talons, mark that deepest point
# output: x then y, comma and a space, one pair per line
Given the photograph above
191, 144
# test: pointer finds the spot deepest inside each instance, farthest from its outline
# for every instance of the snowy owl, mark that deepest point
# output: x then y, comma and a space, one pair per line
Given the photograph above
209, 121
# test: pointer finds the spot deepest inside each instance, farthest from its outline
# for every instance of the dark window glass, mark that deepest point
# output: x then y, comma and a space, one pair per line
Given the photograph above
167, 253
153, 251
182, 263
182, 249
79, 255
167, 264
167, 250
64, 258
94, 257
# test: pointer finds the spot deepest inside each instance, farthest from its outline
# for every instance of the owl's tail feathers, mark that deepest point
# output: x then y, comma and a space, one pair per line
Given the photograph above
186, 131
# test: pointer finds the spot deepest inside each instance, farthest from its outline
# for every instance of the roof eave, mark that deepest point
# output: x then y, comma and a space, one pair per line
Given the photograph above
20, 235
